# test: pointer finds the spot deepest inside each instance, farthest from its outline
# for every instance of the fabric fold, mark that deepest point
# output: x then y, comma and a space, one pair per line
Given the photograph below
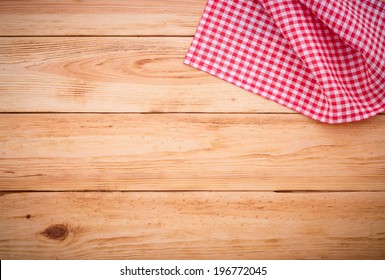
324, 59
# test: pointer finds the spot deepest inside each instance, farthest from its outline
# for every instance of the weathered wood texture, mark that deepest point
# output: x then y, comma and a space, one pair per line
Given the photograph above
190, 152
113, 75
100, 17
193, 225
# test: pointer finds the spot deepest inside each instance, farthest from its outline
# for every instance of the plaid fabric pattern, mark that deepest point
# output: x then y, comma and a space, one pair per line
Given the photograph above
324, 59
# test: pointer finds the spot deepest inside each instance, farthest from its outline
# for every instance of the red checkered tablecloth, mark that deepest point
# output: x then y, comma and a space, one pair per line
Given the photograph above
324, 59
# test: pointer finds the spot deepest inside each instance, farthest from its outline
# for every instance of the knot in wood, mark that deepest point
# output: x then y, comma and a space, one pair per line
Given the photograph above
56, 232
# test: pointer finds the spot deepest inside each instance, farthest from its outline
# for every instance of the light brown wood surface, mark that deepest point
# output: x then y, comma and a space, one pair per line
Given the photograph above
112, 148
201, 225
189, 152
113, 75
99, 17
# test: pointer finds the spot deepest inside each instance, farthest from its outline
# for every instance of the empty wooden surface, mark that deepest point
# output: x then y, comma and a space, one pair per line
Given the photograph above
112, 148
189, 152
113, 75
100, 17
204, 225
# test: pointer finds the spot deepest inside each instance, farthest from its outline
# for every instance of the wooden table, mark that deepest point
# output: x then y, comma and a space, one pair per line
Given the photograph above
112, 148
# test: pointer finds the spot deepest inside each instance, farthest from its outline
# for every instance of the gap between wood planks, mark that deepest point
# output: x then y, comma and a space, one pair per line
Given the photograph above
2, 193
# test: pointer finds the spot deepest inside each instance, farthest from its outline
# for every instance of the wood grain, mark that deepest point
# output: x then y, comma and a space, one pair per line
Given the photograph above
113, 75
99, 17
189, 152
191, 225
144, 157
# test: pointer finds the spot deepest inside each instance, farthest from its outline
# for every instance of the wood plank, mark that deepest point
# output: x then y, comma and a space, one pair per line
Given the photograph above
192, 225
113, 75
99, 17
189, 152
